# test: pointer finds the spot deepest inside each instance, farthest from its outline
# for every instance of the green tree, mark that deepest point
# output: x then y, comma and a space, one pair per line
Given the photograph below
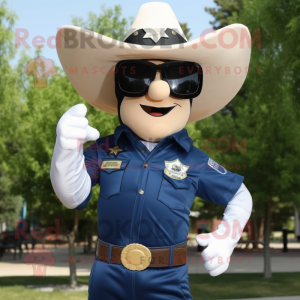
186, 30
10, 106
10, 205
109, 22
265, 114
44, 107
225, 9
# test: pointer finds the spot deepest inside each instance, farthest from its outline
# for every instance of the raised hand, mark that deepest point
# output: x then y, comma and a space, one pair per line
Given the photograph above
73, 129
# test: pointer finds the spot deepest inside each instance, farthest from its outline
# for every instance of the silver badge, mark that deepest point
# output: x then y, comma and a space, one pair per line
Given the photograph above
175, 169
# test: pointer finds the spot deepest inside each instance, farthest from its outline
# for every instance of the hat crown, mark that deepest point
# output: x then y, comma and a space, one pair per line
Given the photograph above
156, 17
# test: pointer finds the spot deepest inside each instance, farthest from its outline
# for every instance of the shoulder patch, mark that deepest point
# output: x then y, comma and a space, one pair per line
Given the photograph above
216, 166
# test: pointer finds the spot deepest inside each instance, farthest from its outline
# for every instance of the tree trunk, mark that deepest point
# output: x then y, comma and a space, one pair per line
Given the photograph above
261, 229
258, 228
89, 236
255, 234
267, 233
72, 257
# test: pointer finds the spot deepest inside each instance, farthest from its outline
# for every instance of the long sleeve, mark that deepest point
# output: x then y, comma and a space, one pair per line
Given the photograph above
220, 243
69, 177
236, 215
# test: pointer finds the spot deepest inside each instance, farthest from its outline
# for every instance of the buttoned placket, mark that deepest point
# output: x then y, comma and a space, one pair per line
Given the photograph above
142, 185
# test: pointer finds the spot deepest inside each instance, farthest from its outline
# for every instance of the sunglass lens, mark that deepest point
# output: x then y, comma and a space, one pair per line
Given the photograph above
134, 77
183, 79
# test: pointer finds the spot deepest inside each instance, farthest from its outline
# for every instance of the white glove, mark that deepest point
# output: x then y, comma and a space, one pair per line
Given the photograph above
73, 130
221, 242
68, 174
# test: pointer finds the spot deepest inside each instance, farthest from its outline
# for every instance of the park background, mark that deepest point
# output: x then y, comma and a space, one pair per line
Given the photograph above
256, 135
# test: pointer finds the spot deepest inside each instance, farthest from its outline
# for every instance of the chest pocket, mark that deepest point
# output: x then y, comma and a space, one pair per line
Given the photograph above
111, 176
173, 192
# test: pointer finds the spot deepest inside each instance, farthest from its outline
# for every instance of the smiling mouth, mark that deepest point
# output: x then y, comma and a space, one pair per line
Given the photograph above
156, 111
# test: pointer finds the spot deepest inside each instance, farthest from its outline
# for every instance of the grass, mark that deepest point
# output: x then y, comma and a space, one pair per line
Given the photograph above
226, 286
237, 286
12, 288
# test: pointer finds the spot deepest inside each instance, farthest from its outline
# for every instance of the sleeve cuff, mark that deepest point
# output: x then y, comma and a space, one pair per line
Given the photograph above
233, 189
85, 202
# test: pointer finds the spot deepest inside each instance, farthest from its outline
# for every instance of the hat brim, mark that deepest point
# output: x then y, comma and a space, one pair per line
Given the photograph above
224, 56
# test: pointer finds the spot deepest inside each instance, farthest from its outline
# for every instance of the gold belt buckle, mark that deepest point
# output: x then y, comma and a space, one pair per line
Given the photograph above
136, 257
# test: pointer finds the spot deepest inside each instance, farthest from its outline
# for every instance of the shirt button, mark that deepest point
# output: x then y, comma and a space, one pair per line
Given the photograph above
143, 150
145, 165
141, 192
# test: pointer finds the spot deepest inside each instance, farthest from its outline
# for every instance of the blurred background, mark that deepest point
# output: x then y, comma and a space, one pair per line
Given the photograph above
46, 247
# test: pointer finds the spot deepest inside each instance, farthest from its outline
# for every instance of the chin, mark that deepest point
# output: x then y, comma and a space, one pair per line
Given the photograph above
154, 133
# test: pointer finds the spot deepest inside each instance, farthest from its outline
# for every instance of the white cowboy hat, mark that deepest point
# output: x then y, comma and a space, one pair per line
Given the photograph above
88, 58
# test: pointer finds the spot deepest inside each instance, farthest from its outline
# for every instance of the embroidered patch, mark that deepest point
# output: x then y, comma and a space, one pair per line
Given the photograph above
115, 151
175, 169
216, 166
111, 164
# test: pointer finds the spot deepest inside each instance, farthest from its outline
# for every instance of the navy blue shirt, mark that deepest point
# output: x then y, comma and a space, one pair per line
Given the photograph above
145, 197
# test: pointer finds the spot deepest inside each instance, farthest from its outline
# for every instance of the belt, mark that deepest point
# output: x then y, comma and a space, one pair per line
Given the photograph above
157, 257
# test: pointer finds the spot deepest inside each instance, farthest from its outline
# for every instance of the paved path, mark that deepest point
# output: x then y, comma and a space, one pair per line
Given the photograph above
242, 262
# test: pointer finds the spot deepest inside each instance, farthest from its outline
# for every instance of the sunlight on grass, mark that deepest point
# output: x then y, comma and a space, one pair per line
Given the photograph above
227, 286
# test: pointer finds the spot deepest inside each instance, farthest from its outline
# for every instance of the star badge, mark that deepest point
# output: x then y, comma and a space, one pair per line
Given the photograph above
115, 151
155, 34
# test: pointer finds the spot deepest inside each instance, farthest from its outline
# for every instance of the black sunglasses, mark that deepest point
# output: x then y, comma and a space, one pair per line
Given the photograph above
133, 77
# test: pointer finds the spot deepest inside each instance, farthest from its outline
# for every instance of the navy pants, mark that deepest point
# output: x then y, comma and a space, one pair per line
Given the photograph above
115, 282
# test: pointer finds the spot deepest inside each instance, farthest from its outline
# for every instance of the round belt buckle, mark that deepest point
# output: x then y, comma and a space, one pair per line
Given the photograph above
136, 257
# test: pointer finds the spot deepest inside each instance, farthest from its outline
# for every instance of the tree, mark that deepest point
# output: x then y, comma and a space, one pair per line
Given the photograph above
186, 30
10, 106
225, 10
109, 22
265, 114
10, 205
44, 107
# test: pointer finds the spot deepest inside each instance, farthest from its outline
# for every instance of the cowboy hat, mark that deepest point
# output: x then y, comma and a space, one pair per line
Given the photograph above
89, 58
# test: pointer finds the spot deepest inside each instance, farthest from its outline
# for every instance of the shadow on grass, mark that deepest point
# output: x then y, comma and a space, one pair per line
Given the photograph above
235, 286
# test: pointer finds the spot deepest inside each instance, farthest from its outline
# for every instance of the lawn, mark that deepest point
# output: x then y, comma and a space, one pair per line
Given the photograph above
227, 286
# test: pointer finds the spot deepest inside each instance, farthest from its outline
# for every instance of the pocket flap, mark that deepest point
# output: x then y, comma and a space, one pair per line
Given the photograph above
113, 165
179, 184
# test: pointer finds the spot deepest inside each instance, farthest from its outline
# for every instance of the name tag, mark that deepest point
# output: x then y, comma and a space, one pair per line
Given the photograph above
111, 164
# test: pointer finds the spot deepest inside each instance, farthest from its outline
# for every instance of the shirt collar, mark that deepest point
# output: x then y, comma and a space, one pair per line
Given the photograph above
182, 138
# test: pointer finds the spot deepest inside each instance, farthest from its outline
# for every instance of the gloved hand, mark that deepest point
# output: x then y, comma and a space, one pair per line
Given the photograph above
68, 174
73, 130
220, 243
217, 255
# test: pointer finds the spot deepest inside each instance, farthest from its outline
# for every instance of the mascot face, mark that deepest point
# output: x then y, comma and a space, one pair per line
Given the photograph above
157, 114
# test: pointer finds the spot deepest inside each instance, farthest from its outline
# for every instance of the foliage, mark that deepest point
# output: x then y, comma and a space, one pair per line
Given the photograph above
10, 107
43, 107
264, 112
10, 205
225, 9
109, 22
186, 30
